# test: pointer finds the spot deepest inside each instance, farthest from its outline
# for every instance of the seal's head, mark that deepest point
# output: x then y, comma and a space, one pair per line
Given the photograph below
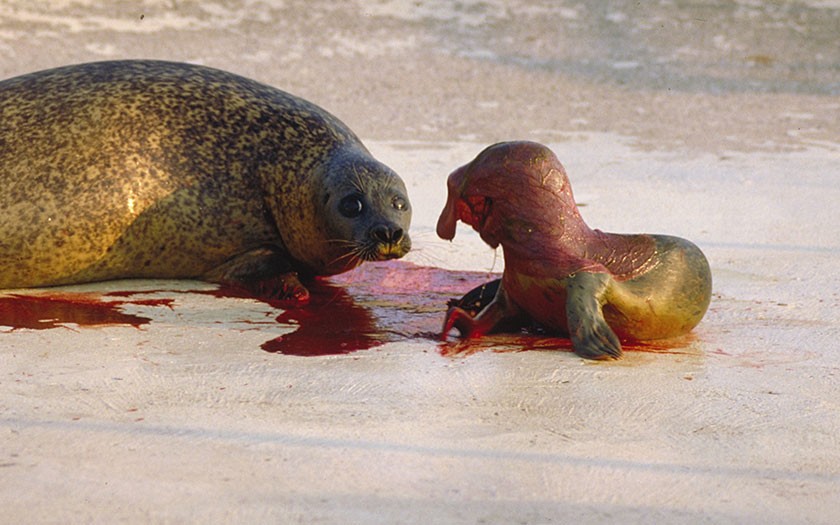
367, 211
348, 210
510, 190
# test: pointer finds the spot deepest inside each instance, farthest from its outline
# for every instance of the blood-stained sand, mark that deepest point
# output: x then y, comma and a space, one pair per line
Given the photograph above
163, 401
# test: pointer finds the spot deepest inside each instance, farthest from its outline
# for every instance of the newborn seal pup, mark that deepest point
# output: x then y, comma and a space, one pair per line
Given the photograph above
593, 286
148, 169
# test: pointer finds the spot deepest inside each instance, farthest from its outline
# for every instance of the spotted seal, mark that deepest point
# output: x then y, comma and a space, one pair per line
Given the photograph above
151, 169
596, 287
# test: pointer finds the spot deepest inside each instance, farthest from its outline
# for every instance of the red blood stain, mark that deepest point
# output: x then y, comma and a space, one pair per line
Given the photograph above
372, 305
232, 292
330, 324
358, 310
527, 340
673, 346
40, 312
396, 300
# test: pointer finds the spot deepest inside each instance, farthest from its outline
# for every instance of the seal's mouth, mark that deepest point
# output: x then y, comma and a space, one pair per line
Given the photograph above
474, 210
369, 250
384, 244
389, 251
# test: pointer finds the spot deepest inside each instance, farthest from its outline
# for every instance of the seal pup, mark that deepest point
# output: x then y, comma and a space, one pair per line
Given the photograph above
593, 286
151, 169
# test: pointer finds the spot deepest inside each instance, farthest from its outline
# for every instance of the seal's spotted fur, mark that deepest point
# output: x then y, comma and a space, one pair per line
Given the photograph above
158, 169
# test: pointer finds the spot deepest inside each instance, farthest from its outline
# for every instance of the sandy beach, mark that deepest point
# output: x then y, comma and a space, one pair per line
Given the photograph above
169, 402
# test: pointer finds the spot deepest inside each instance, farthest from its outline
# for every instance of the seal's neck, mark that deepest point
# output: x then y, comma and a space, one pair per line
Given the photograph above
624, 255
576, 248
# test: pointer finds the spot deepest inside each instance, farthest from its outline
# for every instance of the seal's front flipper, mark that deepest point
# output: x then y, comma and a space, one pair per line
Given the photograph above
285, 287
264, 272
591, 336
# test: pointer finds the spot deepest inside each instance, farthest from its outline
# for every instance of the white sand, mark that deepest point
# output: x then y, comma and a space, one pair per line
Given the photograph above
718, 124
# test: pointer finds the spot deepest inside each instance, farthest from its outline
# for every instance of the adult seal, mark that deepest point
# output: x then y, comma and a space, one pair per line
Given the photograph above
149, 169
596, 287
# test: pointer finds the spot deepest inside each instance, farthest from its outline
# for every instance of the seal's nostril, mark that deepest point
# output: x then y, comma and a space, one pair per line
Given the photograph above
383, 233
380, 233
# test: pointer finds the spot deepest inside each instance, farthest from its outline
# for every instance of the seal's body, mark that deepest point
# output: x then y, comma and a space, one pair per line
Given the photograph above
141, 169
594, 286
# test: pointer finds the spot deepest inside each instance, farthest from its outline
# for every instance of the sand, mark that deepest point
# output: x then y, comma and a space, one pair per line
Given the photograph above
715, 122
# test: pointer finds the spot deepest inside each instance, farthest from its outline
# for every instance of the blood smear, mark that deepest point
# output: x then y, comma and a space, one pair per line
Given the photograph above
40, 312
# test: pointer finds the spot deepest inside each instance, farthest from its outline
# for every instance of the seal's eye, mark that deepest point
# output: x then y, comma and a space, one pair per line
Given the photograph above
399, 203
351, 206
